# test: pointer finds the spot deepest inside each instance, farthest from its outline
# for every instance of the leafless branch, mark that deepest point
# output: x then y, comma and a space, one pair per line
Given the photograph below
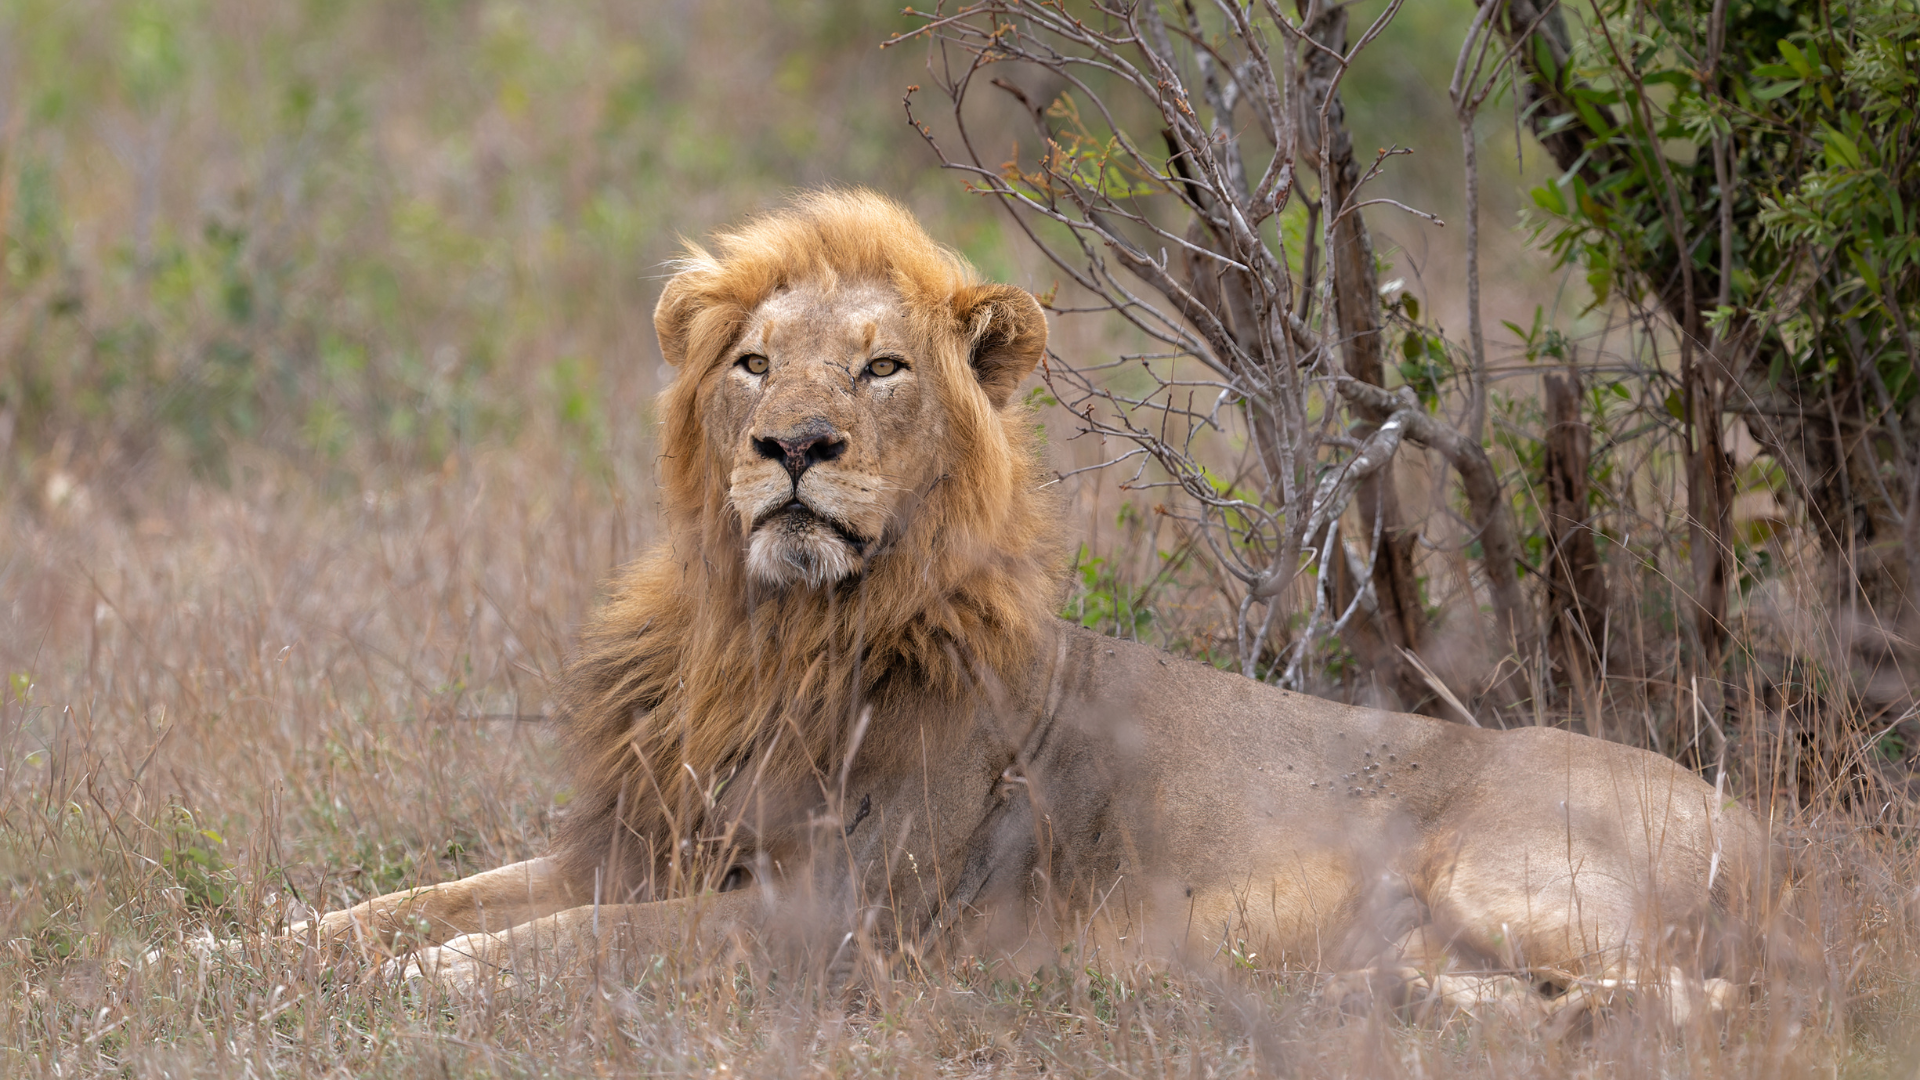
1172, 242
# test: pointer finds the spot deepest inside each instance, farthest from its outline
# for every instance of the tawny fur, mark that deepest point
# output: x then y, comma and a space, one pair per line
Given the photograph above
688, 672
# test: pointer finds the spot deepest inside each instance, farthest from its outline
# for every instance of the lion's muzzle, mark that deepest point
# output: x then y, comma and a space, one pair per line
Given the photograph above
796, 545
807, 522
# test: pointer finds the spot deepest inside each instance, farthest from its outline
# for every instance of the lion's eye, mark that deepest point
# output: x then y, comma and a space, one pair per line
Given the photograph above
883, 367
755, 364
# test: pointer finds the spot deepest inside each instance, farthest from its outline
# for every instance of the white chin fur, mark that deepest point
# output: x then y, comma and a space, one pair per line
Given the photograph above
781, 556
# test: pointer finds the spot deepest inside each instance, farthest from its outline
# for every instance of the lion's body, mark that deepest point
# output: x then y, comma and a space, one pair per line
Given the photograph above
837, 686
1161, 802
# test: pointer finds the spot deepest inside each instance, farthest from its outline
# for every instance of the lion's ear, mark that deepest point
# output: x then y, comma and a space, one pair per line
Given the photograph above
673, 316
1008, 332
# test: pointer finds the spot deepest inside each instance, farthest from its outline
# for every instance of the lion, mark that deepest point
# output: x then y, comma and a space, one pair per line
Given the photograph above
839, 682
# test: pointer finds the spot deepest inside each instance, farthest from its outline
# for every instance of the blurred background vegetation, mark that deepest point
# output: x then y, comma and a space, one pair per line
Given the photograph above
344, 246
362, 236
365, 236
347, 245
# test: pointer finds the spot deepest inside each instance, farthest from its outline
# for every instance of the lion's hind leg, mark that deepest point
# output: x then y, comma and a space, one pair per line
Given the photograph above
1669, 995
1420, 978
1591, 955
1429, 978
1437, 988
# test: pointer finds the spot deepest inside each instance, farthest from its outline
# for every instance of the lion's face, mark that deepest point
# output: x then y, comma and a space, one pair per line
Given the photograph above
844, 408
822, 410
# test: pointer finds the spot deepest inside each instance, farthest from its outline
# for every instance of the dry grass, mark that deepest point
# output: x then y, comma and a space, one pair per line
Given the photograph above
233, 706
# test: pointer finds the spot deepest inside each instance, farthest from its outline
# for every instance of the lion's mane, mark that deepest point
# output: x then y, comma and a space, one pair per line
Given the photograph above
690, 676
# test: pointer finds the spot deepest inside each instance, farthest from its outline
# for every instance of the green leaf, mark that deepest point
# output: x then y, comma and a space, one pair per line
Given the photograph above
1676, 407
1543, 59
1600, 128
1412, 306
1620, 391
1583, 200
1599, 273
1849, 153
1547, 197
1797, 58
1768, 93
1901, 375
1865, 268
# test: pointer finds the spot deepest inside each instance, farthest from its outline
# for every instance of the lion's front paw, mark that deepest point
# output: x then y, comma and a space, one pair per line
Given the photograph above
194, 948
462, 967
205, 950
338, 935
1354, 992
1432, 997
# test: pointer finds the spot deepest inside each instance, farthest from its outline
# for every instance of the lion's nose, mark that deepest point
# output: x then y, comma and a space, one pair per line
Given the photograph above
801, 452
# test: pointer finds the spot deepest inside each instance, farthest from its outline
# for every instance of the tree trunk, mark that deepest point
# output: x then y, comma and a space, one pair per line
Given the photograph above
1577, 590
1398, 617
1710, 517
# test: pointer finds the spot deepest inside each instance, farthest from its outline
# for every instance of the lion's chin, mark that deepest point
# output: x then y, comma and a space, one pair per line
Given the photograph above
799, 549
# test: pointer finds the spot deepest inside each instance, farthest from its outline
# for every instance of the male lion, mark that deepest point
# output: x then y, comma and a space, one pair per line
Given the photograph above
839, 682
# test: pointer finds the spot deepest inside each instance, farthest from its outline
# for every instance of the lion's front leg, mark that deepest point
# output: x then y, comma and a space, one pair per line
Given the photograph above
492, 900
390, 925
620, 940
